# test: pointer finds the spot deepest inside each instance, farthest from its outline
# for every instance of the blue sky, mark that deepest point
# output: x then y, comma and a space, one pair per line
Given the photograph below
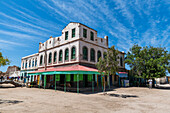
25, 23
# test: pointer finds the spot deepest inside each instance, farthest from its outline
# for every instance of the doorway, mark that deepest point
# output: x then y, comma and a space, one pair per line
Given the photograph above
62, 79
85, 80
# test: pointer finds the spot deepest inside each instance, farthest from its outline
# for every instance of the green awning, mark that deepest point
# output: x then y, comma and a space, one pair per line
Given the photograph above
64, 72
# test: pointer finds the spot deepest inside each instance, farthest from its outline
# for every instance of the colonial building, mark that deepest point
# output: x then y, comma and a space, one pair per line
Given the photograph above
69, 59
28, 64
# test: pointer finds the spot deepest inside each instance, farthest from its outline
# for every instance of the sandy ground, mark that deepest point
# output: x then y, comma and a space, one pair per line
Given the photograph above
138, 100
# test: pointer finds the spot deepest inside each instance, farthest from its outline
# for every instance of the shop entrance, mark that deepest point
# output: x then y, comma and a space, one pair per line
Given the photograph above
72, 80
85, 80
62, 79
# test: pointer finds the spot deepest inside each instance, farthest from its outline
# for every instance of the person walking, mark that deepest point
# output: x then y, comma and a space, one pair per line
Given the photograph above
150, 83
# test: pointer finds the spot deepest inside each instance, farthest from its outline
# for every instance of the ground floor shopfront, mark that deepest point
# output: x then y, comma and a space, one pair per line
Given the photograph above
24, 76
71, 82
72, 78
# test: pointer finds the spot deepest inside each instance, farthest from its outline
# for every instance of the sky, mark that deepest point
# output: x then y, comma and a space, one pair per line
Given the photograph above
25, 23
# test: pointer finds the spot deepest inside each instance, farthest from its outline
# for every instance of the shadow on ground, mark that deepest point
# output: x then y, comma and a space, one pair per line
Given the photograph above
9, 101
7, 87
164, 87
86, 91
121, 95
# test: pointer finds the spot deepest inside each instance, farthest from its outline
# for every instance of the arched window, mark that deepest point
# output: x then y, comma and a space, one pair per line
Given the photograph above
73, 53
85, 53
98, 55
23, 65
35, 62
66, 54
121, 61
49, 58
41, 59
60, 55
92, 55
26, 64
55, 56
32, 62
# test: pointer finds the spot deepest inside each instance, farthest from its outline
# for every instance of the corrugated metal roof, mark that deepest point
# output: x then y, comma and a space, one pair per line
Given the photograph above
67, 68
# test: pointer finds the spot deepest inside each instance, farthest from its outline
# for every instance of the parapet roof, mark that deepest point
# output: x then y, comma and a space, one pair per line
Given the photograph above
81, 24
30, 55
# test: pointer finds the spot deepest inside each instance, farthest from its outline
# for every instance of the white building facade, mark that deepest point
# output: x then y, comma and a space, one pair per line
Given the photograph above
78, 45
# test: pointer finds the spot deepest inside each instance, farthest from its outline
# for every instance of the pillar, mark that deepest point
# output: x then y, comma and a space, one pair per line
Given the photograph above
44, 81
40, 77
77, 83
102, 81
33, 78
93, 84
55, 81
97, 80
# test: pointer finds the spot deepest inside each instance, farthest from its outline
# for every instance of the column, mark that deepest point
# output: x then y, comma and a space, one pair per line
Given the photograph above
102, 81
40, 77
44, 81
55, 81
92, 83
97, 80
32, 78
77, 83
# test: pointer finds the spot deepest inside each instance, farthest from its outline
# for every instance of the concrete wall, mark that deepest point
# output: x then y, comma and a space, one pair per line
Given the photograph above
59, 43
90, 46
29, 59
57, 49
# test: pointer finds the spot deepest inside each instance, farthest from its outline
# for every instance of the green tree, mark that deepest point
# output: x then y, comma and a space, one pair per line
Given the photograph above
3, 61
148, 62
109, 64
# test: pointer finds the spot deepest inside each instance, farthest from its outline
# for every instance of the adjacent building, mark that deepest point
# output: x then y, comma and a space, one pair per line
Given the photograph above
11, 70
28, 64
69, 60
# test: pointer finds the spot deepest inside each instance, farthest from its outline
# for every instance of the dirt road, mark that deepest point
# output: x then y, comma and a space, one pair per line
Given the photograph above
121, 100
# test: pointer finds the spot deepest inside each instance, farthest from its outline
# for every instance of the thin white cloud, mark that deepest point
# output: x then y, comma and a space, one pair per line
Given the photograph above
100, 15
24, 29
12, 43
20, 21
4, 46
18, 35
33, 19
53, 9
123, 7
